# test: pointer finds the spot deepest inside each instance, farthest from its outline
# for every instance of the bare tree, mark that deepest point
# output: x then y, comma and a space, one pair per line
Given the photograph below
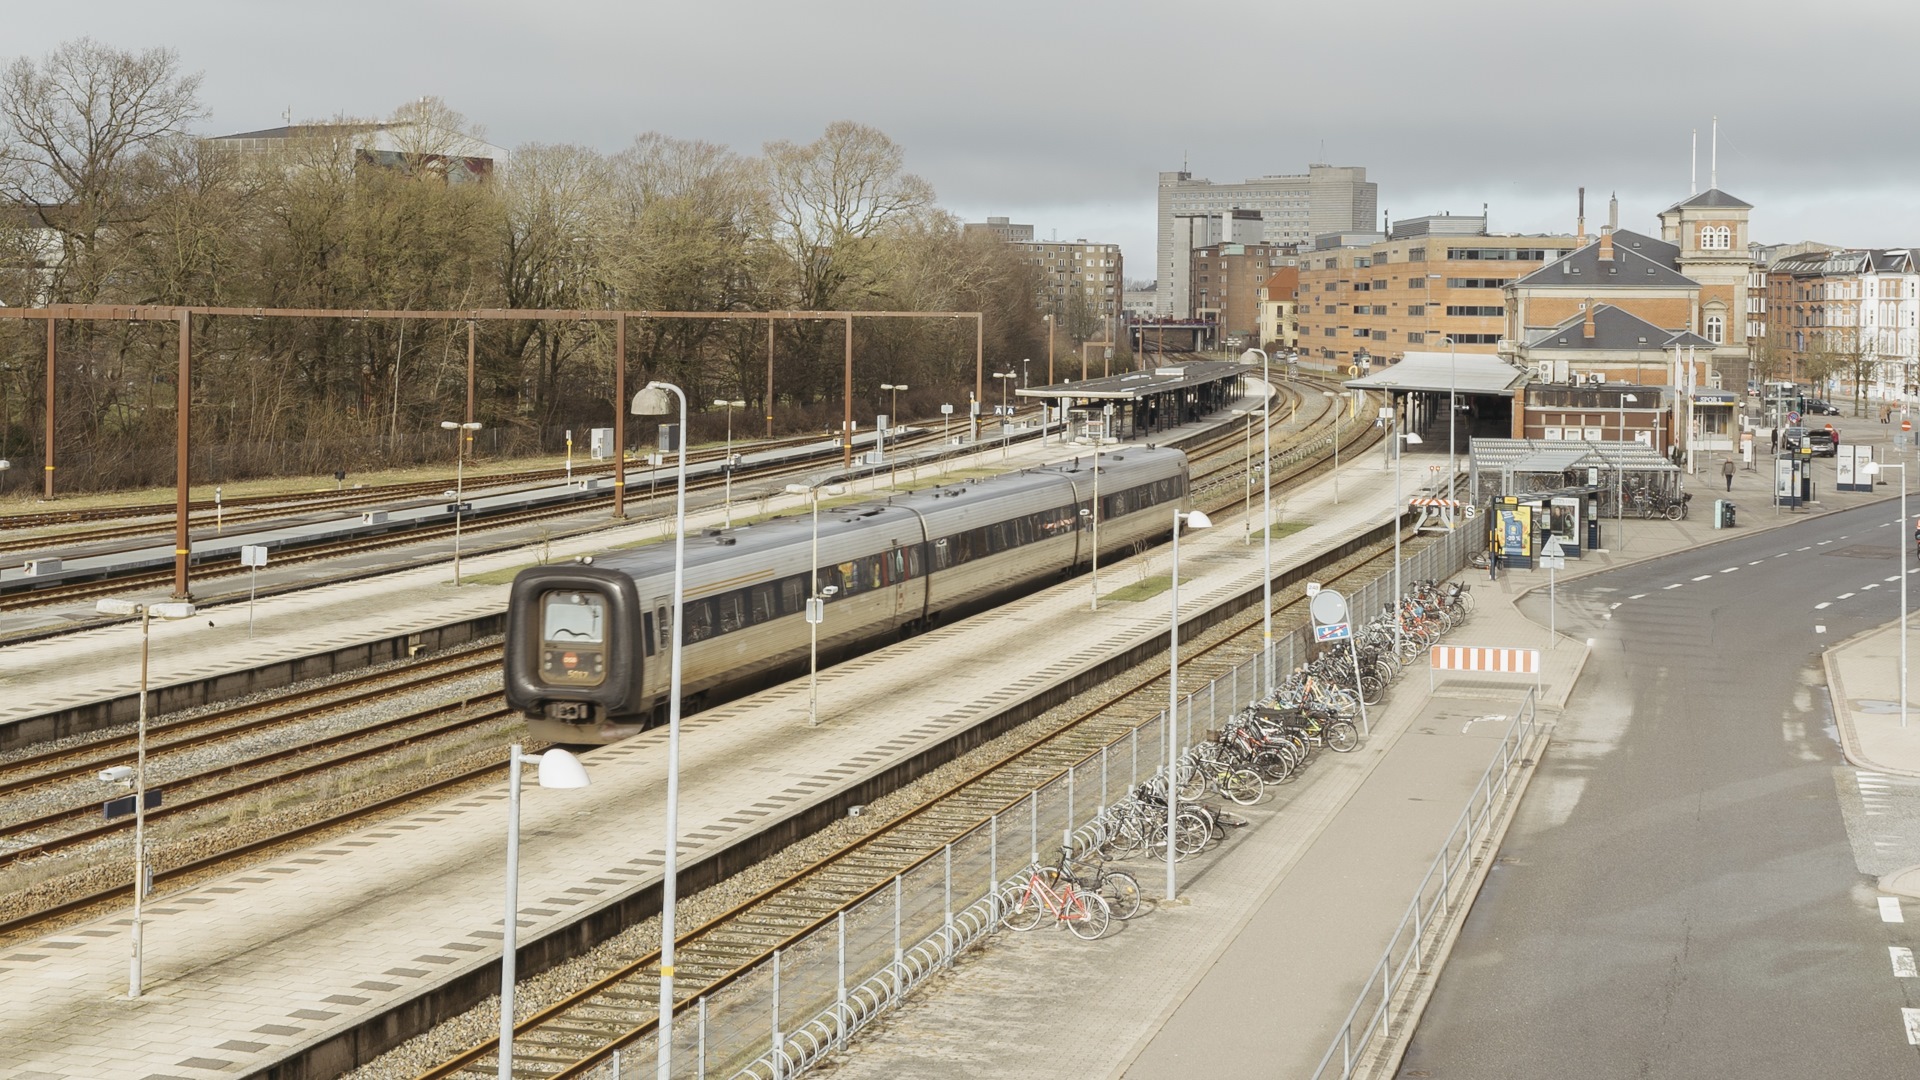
74, 122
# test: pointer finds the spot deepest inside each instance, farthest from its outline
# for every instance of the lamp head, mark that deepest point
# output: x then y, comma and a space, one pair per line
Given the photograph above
653, 400
1197, 519
1413, 437
559, 769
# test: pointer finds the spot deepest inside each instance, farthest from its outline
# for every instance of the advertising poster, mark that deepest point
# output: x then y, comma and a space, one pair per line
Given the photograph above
1516, 531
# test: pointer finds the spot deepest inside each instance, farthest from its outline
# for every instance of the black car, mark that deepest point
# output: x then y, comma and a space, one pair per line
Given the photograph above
1819, 407
1819, 439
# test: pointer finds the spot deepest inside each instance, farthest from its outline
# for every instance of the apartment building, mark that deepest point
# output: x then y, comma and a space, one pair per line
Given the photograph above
400, 144
1279, 311
1291, 209
1002, 228
1427, 280
1226, 280
1078, 279
1849, 314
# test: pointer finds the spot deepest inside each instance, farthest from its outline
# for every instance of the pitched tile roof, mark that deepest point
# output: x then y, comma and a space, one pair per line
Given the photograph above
1713, 198
1638, 262
1614, 330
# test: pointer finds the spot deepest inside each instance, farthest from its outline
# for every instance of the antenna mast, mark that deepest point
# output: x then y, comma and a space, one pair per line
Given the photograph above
1693, 171
1713, 175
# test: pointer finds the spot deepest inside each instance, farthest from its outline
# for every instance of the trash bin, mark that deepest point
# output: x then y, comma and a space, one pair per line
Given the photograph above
1593, 533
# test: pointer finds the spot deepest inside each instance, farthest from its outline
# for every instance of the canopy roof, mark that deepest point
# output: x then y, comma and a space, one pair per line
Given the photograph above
1438, 372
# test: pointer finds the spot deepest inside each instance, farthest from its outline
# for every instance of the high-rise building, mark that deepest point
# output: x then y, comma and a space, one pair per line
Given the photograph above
1290, 209
1001, 227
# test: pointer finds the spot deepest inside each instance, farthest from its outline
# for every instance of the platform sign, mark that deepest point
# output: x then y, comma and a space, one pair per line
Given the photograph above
1333, 632
123, 805
816, 610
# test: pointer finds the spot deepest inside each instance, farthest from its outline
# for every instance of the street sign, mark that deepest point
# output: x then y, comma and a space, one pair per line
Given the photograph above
253, 555
1793, 418
1332, 632
1328, 607
123, 805
1313, 589
1552, 555
1552, 562
816, 610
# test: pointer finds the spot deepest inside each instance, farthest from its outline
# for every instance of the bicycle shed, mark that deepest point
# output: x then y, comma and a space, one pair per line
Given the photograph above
1566, 488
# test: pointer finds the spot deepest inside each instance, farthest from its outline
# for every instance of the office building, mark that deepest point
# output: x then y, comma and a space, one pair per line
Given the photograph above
1291, 210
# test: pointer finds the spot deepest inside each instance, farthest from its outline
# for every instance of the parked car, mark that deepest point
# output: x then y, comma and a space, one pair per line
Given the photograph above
1821, 407
1820, 440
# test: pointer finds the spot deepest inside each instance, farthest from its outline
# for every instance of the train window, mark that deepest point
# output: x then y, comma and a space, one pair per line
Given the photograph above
573, 618
942, 554
897, 565
733, 611
917, 560
699, 620
793, 594
646, 631
664, 621
762, 596
874, 570
848, 574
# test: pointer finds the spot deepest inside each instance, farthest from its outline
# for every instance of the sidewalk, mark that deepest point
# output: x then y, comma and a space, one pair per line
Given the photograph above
1863, 677
1287, 922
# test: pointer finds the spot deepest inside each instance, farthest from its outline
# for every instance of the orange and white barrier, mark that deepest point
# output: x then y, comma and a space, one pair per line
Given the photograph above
1482, 658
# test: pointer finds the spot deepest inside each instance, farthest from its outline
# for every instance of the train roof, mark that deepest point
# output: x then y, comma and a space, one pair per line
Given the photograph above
847, 520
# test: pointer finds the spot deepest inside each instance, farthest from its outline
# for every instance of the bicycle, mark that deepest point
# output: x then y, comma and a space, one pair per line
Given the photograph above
1047, 890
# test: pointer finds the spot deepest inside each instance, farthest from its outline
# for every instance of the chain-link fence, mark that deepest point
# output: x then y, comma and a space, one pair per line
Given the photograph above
811, 996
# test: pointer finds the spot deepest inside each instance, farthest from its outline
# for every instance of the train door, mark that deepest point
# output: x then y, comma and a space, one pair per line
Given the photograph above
896, 570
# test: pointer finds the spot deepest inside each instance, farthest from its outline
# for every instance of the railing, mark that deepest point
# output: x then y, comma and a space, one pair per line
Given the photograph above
777, 1020
1442, 896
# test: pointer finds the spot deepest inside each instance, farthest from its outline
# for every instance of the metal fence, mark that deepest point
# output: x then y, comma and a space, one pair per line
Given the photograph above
1443, 895
813, 995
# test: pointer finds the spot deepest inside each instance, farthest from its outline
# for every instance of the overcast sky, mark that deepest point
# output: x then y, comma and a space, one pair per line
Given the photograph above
1061, 114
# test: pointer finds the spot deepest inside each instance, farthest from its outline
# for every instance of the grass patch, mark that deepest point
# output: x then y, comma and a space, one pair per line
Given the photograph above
1144, 589
1281, 528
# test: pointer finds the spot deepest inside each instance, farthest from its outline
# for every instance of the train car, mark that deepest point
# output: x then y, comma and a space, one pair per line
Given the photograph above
587, 643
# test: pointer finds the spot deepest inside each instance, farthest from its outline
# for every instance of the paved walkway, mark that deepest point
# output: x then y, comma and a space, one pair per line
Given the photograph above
1253, 973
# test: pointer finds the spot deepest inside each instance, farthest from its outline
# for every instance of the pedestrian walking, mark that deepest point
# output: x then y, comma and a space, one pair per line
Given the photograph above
1776, 440
1726, 470
1493, 558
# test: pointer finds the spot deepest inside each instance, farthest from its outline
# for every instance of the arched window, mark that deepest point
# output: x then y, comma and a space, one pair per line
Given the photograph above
1716, 329
1716, 237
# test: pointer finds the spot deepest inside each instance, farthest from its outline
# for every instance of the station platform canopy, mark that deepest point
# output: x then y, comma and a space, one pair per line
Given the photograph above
1438, 372
1137, 385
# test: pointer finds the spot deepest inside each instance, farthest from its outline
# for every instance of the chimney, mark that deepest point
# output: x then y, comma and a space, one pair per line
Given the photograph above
1606, 245
1580, 222
1586, 329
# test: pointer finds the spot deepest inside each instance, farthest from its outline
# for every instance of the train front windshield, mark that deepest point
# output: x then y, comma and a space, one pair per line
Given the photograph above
573, 618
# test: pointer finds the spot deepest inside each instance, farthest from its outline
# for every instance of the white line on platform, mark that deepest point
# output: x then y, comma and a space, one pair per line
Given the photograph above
1903, 966
1889, 909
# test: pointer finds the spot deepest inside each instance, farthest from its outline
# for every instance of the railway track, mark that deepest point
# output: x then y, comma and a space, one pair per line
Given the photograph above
74, 826
576, 1034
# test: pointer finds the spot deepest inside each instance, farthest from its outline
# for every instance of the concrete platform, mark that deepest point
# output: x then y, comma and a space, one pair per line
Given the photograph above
293, 955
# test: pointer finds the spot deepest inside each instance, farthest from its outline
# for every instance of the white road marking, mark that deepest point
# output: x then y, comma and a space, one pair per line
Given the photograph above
1844, 596
1822, 604
1884, 524
1729, 569
1638, 595
1819, 628
1613, 606
1890, 909
1783, 554
1755, 562
1895, 577
1864, 588
1703, 577
1607, 615
1903, 961
1822, 543
1911, 1018
1663, 588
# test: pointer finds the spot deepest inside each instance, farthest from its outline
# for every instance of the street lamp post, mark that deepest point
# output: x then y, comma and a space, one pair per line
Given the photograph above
657, 399
1336, 443
1453, 410
1005, 434
170, 610
1194, 519
460, 437
816, 599
1619, 480
1873, 468
558, 769
893, 420
1266, 514
728, 465
1399, 508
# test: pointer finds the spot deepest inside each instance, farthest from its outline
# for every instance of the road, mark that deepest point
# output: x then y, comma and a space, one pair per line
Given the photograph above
1687, 890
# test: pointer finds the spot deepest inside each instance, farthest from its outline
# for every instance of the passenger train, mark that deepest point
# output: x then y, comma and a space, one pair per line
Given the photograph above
587, 644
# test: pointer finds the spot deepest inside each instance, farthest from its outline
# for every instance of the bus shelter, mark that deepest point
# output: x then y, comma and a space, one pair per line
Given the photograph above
1615, 479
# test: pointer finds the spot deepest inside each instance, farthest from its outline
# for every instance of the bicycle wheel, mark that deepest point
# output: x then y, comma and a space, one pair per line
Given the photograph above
1121, 892
1193, 831
1342, 736
1372, 688
1087, 915
1676, 511
1020, 908
1273, 766
1243, 786
1192, 780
